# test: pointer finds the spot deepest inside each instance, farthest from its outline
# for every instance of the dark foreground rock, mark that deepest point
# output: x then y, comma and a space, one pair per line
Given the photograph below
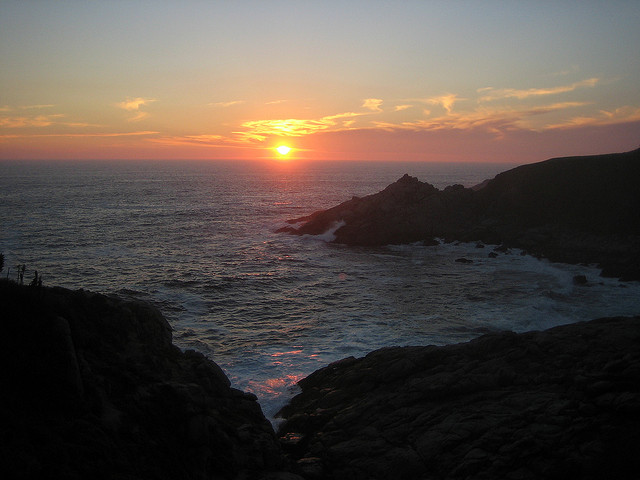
574, 210
92, 387
563, 403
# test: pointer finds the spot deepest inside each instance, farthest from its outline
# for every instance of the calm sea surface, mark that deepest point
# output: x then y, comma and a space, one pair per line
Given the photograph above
197, 240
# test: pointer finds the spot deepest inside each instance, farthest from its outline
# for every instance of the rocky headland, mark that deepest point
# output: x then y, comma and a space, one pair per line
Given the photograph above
557, 404
572, 210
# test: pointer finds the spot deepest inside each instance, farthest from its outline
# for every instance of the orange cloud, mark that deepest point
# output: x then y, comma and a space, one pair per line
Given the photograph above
133, 105
79, 135
491, 94
373, 104
496, 121
446, 101
624, 114
27, 119
204, 140
259, 130
22, 121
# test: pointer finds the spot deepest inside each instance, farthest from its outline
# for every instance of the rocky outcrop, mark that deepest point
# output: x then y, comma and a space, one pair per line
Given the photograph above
406, 211
574, 209
92, 387
563, 403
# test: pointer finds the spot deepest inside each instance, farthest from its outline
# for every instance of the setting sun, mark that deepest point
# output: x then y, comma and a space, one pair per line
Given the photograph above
283, 150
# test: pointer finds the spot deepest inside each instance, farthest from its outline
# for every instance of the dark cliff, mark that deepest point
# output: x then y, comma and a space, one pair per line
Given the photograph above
92, 387
574, 209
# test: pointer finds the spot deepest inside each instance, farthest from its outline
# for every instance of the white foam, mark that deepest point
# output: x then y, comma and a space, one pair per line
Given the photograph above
330, 234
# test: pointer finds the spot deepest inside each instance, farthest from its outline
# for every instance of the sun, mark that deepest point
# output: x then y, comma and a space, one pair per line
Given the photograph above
283, 150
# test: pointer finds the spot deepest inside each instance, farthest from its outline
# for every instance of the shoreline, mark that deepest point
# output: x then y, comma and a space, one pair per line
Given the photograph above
95, 370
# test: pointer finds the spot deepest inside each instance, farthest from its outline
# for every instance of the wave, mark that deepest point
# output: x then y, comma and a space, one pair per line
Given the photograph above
330, 234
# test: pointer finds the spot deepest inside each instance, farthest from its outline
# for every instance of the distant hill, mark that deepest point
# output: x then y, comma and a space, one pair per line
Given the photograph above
573, 209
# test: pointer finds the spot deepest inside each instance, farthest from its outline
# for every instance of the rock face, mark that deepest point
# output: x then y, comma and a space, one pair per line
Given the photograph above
563, 403
574, 209
92, 387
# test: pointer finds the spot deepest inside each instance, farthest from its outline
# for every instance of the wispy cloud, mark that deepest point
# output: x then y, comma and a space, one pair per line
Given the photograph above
372, 104
133, 105
7, 108
496, 121
24, 121
203, 140
80, 135
446, 101
624, 114
274, 102
259, 130
36, 107
23, 116
227, 104
490, 94
399, 108
30, 116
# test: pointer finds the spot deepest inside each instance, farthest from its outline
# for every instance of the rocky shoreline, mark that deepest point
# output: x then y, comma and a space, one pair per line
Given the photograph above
94, 388
571, 210
562, 403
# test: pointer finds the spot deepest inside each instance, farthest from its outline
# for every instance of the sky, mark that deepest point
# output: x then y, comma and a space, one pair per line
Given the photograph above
493, 81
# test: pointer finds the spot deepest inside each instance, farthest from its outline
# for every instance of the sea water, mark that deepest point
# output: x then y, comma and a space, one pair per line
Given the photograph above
197, 239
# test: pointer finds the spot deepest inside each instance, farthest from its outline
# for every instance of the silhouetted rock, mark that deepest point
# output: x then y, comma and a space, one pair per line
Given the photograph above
563, 403
92, 387
574, 210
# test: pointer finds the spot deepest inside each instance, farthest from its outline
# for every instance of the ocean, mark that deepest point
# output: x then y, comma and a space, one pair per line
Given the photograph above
197, 239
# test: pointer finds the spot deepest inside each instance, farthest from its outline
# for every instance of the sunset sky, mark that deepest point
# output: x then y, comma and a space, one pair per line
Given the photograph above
505, 81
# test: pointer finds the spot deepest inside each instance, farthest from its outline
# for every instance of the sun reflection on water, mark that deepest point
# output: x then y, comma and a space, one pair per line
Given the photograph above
273, 386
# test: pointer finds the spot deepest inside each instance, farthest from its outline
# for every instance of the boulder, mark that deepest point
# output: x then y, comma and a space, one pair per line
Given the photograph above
92, 387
